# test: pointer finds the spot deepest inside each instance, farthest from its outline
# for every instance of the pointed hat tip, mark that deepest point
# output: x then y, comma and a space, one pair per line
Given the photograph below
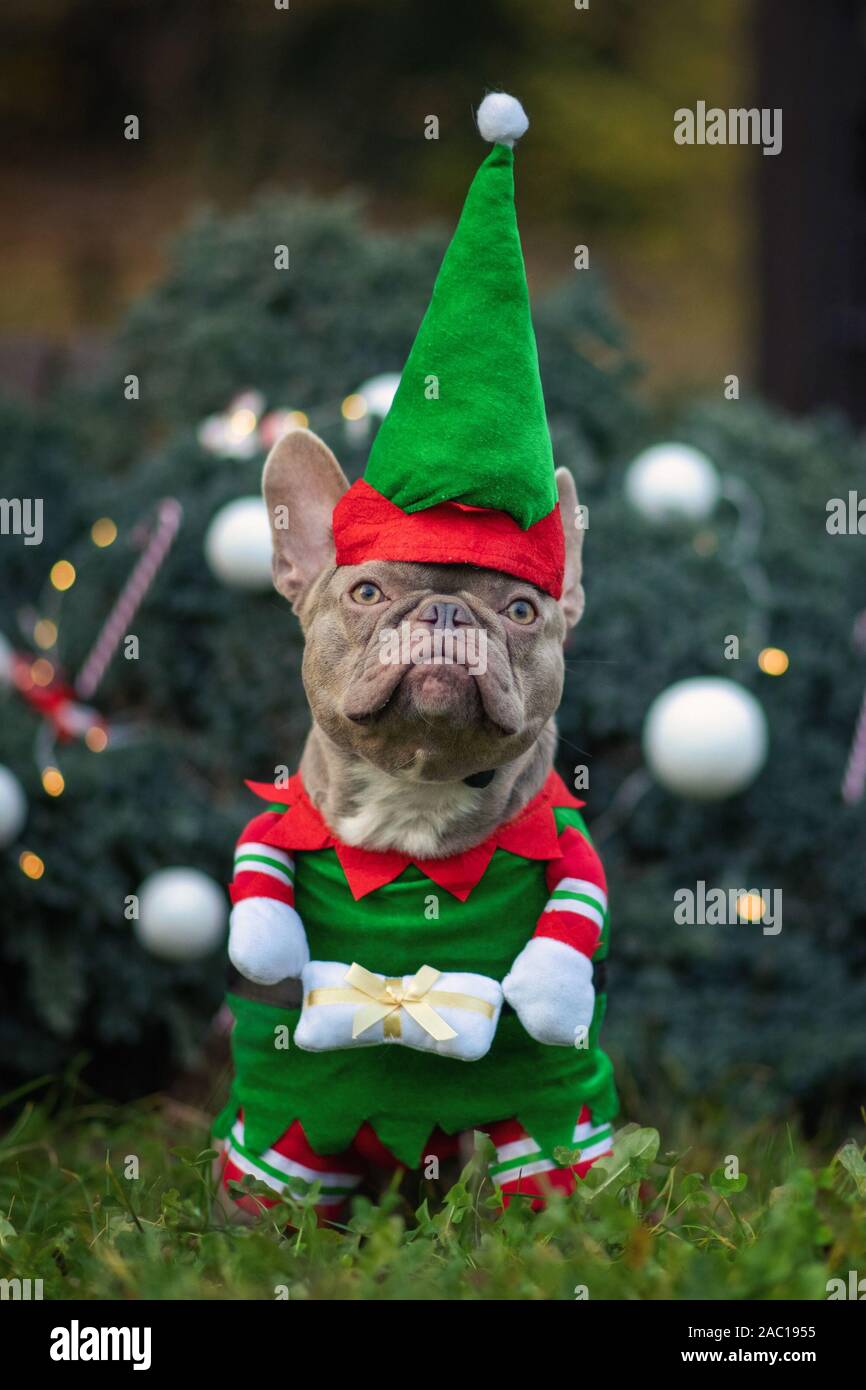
501, 119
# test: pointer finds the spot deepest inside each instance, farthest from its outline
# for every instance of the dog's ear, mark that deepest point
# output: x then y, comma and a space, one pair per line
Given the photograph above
571, 602
302, 482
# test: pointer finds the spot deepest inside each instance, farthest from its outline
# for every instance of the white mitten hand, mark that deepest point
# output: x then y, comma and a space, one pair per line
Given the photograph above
267, 941
550, 988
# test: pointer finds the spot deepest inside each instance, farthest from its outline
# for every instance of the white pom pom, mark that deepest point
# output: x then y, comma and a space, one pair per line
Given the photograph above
501, 119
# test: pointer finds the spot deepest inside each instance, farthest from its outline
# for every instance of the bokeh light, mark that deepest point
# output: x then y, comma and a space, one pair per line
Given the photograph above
103, 532
750, 907
30, 864
45, 633
42, 672
62, 575
53, 781
773, 661
354, 407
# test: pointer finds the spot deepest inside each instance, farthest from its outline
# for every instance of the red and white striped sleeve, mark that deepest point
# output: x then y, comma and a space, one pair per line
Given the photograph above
575, 911
261, 870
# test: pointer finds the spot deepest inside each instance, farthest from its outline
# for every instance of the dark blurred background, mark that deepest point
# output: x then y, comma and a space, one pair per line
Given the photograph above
154, 257
234, 95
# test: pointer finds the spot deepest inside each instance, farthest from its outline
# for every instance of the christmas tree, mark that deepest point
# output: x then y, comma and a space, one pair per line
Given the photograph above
298, 301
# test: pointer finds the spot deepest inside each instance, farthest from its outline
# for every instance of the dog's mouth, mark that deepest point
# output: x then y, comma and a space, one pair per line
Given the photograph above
440, 692
449, 694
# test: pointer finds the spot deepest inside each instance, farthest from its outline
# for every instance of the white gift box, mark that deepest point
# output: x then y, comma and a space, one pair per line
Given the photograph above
452, 1013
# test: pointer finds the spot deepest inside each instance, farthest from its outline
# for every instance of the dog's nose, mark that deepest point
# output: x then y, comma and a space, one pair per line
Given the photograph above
445, 614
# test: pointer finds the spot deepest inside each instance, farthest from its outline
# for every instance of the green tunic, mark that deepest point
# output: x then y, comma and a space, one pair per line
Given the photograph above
404, 1094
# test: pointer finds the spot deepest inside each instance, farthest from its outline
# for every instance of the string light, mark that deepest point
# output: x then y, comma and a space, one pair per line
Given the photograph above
62, 575
45, 633
42, 683
773, 661
246, 426
53, 781
96, 738
30, 864
103, 532
354, 407
242, 422
751, 907
42, 672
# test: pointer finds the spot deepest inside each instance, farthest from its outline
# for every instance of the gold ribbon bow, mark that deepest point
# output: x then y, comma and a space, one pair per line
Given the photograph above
383, 999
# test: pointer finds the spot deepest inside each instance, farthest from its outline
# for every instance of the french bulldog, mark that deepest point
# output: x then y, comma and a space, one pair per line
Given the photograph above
422, 759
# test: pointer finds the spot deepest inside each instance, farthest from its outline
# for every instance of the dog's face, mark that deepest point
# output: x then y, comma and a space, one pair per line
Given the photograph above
436, 672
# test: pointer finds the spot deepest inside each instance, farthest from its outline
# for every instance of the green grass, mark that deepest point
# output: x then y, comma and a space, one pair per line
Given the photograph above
649, 1224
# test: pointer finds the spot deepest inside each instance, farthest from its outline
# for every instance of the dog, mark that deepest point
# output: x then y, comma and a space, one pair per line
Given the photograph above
417, 761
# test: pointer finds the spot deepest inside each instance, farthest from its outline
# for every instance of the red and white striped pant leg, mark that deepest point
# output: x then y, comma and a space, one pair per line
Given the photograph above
522, 1169
292, 1166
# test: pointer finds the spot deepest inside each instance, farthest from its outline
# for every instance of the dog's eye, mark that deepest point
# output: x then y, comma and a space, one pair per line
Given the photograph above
367, 593
521, 611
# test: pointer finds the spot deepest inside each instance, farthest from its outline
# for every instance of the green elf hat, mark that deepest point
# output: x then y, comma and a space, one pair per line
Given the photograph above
461, 471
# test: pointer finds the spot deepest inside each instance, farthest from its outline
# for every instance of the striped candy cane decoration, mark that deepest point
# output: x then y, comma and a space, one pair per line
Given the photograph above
116, 625
855, 773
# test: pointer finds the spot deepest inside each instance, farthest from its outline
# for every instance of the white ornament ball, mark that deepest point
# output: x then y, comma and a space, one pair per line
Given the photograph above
379, 392
673, 482
705, 738
238, 544
13, 807
182, 914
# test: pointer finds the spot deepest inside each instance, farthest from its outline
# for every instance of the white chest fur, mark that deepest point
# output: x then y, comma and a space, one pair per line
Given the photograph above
399, 814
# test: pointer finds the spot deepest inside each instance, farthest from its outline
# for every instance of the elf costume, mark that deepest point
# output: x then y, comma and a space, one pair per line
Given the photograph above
461, 472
